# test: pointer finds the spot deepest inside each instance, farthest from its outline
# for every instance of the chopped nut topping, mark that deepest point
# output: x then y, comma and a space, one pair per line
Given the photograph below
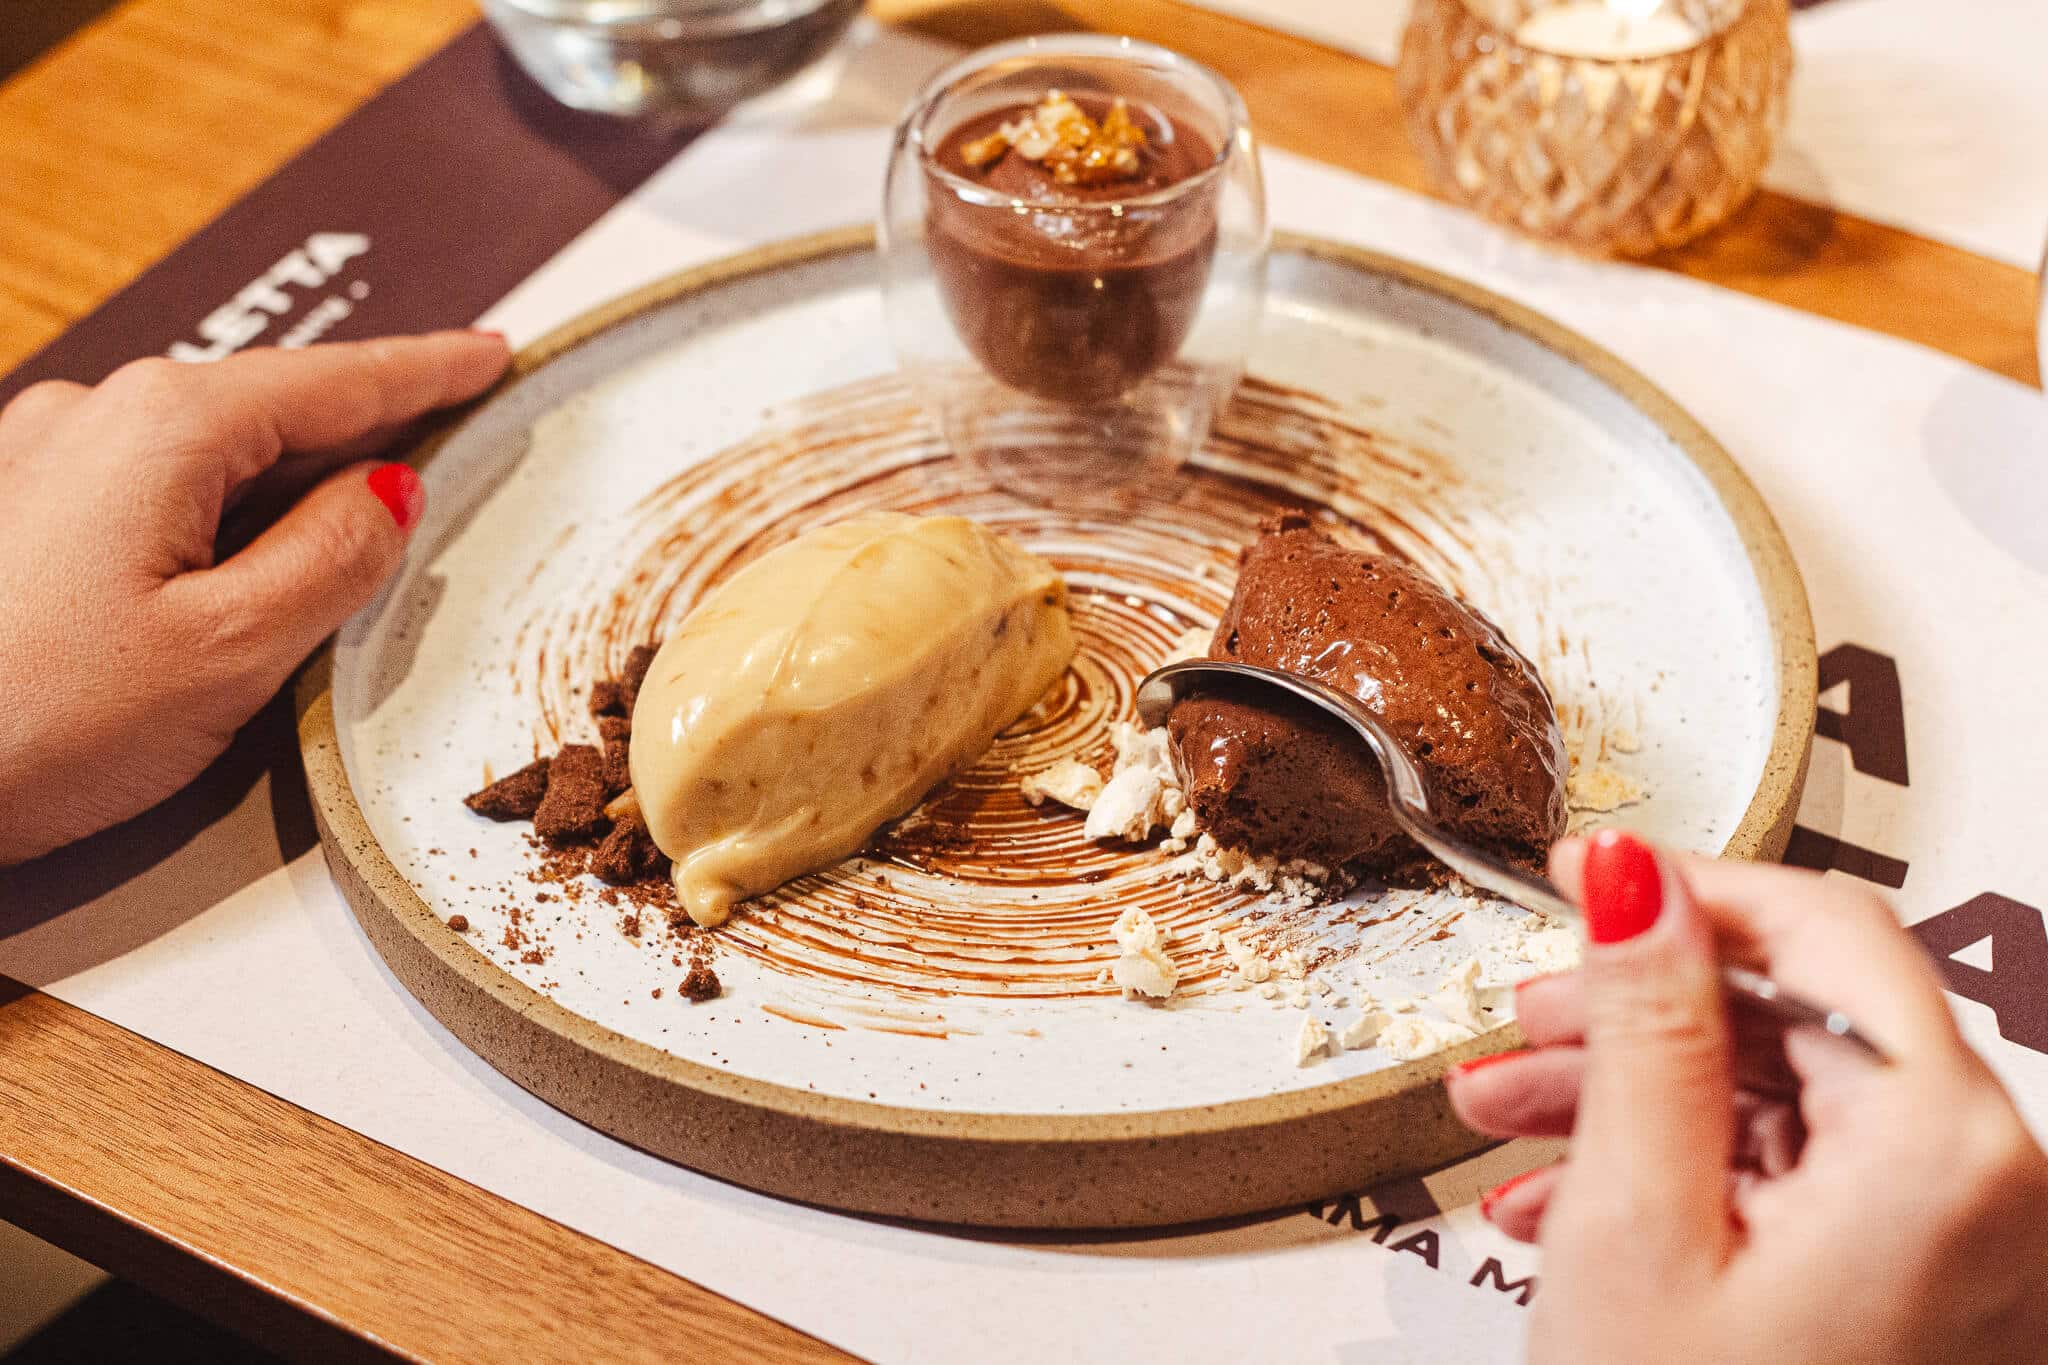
1059, 133
985, 151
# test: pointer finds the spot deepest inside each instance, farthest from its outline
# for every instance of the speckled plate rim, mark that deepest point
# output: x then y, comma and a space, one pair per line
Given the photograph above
885, 1158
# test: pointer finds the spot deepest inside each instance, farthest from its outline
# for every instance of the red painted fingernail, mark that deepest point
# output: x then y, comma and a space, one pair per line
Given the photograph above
1489, 1200
491, 332
399, 489
1464, 1069
1623, 888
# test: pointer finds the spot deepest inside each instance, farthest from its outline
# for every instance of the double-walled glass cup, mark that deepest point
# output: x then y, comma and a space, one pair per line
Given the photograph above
1076, 343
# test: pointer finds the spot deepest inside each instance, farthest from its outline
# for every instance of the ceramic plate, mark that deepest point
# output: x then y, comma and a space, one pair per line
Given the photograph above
924, 1029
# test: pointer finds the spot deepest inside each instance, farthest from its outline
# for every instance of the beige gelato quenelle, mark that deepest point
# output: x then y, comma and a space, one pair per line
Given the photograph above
825, 688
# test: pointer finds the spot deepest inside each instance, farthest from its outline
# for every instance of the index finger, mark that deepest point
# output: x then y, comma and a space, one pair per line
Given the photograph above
1655, 1125
1829, 940
328, 396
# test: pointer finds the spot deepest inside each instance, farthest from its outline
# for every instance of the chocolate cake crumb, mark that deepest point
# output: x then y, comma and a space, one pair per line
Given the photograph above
607, 698
627, 854
617, 732
574, 835
459, 923
618, 771
516, 797
573, 807
701, 983
638, 660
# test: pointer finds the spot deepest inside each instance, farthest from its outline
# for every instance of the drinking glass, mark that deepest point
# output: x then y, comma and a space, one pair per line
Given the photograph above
1076, 348
665, 58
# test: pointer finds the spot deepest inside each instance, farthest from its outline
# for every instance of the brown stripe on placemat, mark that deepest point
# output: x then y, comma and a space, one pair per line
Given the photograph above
420, 210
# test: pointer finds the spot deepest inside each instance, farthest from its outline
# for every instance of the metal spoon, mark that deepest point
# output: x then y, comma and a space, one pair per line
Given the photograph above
1409, 804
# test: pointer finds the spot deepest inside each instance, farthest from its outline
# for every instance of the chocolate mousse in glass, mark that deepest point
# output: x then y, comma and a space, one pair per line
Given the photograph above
1074, 245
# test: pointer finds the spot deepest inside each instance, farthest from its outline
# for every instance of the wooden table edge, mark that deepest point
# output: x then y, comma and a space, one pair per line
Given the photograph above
83, 1164
93, 1158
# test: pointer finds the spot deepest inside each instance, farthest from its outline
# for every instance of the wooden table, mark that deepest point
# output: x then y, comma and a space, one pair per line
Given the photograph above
297, 1231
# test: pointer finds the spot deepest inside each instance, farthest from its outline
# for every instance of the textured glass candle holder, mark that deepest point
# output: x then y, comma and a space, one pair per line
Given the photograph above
1624, 144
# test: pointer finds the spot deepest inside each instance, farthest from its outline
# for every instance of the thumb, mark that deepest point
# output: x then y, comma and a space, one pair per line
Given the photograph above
1655, 1128
316, 566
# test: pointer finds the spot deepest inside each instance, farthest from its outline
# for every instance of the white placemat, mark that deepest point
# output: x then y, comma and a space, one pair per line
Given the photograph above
1930, 115
1913, 487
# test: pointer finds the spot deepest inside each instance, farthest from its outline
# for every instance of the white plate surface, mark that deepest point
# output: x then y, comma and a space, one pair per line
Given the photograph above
586, 506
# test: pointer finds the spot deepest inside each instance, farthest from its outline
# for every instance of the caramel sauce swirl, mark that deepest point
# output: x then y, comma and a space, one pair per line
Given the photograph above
976, 893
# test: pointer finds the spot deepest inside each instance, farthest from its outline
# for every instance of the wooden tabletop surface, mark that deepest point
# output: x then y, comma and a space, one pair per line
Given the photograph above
126, 139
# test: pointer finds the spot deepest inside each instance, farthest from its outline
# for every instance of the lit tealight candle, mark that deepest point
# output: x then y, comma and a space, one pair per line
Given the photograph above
1610, 29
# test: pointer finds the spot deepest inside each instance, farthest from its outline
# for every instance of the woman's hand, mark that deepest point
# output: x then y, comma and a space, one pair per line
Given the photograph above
128, 655
1895, 1213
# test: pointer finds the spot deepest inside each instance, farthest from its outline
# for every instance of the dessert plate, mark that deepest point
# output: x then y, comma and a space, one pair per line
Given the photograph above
926, 1031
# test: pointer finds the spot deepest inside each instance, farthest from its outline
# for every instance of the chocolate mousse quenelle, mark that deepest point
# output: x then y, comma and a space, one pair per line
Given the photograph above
1074, 244
1281, 778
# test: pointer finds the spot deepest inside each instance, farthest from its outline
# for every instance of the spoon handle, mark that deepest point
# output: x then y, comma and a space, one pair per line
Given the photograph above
1749, 988
1766, 996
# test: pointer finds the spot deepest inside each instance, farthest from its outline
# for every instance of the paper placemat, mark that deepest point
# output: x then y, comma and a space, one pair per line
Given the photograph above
1911, 486
428, 190
1923, 114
